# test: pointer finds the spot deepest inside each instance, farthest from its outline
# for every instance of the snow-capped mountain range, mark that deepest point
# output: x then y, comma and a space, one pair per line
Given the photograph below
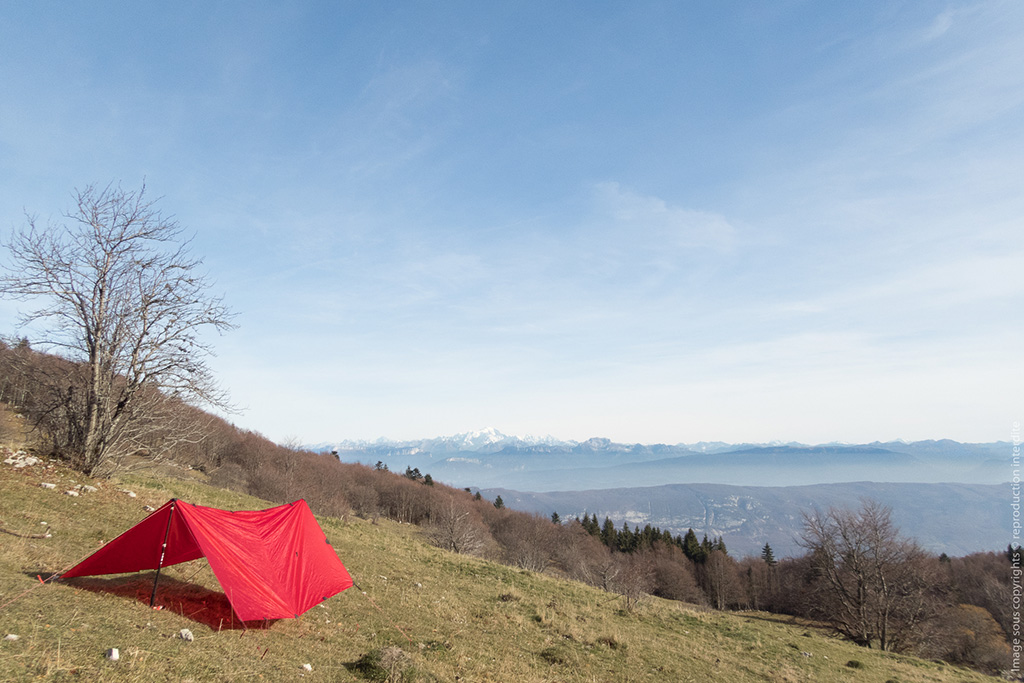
489, 458
491, 440
487, 440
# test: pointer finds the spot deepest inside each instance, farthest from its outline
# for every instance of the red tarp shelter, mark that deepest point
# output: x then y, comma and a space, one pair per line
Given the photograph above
272, 564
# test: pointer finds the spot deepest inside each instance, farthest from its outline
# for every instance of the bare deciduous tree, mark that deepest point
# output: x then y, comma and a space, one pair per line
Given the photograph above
635, 577
123, 297
718, 573
872, 582
578, 554
674, 575
456, 525
525, 540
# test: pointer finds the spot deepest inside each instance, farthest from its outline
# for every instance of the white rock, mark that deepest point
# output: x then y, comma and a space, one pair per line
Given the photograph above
11, 636
30, 461
48, 486
90, 489
71, 493
307, 667
130, 494
185, 634
148, 508
113, 654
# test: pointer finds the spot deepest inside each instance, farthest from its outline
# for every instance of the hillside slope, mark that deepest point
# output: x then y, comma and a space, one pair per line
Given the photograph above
466, 619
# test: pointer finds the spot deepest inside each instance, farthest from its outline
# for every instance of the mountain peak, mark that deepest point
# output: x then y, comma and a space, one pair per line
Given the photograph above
479, 438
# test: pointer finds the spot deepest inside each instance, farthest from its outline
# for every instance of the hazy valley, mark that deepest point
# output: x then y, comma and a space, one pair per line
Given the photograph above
945, 494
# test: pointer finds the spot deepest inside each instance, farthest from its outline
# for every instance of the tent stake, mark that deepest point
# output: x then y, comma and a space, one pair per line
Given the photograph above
163, 551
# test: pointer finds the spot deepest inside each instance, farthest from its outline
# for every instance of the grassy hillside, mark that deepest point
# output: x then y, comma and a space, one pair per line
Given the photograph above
467, 619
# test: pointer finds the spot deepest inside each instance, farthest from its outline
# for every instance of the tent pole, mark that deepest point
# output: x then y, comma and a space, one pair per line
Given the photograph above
163, 551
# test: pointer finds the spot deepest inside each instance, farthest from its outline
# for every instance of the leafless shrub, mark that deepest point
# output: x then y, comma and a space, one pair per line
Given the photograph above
525, 540
403, 499
967, 635
359, 489
455, 525
984, 579
579, 555
634, 578
674, 575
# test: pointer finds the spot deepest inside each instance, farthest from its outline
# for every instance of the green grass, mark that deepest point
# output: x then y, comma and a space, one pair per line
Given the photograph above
467, 619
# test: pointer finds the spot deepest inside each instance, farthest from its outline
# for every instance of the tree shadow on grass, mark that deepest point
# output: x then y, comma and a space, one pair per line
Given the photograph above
190, 600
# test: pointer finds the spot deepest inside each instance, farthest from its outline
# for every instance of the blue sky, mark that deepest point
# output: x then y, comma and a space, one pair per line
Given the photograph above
648, 221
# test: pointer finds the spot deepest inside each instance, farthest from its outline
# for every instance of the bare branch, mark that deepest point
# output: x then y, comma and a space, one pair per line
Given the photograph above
122, 296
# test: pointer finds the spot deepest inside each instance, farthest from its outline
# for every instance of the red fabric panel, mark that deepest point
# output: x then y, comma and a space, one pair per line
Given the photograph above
313, 573
138, 548
272, 564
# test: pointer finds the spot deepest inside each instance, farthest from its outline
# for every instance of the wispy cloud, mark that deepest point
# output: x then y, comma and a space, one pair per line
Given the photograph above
647, 220
938, 28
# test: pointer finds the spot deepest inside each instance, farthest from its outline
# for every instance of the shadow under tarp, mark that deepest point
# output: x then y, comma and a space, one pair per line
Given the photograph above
192, 601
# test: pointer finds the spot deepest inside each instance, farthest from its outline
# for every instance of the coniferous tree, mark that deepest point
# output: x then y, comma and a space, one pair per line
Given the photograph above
499, 503
608, 533
1014, 555
692, 548
626, 539
647, 537
706, 547
768, 556
555, 519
